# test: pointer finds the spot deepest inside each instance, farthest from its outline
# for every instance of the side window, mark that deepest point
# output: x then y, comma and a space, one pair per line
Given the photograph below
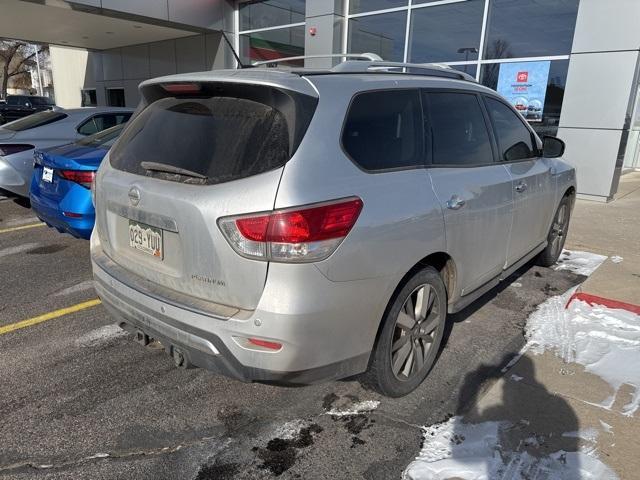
457, 128
102, 122
514, 138
384, 130
89, 127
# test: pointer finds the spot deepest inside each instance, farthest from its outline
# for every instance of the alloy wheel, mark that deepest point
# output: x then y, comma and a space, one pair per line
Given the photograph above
414, 332
558, 229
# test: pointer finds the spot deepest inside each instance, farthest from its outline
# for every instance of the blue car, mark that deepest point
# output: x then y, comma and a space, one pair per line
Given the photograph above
61, 184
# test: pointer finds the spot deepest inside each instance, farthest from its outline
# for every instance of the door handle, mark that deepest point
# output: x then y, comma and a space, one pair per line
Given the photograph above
455, 203
521, 187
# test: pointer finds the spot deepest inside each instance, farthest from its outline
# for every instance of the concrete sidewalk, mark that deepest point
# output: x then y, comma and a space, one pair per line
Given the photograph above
549, 415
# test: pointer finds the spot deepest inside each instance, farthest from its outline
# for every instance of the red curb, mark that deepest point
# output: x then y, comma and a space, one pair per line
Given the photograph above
607, 302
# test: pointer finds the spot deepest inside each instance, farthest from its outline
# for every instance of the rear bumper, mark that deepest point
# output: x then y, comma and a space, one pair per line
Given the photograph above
314, 349
50, 213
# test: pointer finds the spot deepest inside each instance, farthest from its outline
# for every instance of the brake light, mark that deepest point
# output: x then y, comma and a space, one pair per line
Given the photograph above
10, 149
307, 234
182, 88
83, 177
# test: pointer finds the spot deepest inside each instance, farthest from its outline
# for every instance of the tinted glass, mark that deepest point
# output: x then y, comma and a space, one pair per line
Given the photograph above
115, 97
195, 134
554, 96
41, 101
16, 100
457, 129
271, 13
102, 122
272, 44
384, 130
383, 34
358, 6
446, 33
36, 120
529, 28
514, 139
89, 98
104, 139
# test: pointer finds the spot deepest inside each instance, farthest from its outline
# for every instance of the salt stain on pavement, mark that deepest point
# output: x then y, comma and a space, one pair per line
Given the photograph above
355, 409
466, 451
100, 336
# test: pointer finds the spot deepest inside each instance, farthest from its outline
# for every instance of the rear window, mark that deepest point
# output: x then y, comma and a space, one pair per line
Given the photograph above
36, 120
221, 138
41, 101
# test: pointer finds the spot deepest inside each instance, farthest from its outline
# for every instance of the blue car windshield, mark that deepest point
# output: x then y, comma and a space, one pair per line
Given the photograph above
104, 139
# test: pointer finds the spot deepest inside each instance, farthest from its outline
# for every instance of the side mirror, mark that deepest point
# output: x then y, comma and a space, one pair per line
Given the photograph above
552, 147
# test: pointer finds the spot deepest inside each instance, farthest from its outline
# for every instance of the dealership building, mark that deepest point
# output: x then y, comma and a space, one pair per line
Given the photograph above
570, 66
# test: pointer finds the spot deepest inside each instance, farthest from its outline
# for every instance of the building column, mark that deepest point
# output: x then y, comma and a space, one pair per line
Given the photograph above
600, 93
324, 30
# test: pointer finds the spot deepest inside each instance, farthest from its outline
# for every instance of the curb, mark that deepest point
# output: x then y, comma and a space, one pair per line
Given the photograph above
607, 302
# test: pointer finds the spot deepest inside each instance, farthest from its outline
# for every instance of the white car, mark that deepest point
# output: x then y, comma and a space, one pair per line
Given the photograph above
20, 138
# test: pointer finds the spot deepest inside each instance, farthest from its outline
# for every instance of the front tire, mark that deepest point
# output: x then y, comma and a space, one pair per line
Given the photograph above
557, 234
412, 331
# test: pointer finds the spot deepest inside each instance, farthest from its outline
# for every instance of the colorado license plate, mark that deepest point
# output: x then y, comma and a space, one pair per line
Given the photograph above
146, 238
47, 174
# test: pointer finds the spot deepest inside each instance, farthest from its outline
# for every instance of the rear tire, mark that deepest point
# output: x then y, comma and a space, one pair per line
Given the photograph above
557, 234
412, 331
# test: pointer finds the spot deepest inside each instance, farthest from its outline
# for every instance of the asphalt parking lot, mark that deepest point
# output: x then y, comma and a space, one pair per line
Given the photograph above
80, 399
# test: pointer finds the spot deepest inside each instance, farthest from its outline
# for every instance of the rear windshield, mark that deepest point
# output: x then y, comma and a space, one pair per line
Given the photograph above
36, 120
218, 138
41, 101
104, 139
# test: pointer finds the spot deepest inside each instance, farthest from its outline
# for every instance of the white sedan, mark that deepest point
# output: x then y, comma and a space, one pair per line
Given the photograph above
20, 138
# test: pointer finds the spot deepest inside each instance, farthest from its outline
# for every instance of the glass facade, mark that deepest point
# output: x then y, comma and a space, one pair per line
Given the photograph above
271, 13
272, 44
382, 34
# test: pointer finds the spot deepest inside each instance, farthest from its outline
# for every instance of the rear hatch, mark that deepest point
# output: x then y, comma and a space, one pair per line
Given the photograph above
198, 151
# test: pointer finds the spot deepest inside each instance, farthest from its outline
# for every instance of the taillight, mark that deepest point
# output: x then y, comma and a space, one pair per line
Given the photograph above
10, 149
182, 88
306, 234
83, 177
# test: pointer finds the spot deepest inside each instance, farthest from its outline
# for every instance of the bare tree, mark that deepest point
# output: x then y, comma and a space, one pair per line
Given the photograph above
16, 57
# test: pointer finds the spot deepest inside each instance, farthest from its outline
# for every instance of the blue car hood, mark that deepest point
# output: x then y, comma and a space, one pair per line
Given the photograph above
72, 156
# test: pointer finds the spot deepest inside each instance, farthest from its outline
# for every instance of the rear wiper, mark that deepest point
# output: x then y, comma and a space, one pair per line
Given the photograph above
165, 167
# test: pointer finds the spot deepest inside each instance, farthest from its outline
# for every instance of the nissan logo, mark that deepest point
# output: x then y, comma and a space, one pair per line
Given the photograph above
134, 196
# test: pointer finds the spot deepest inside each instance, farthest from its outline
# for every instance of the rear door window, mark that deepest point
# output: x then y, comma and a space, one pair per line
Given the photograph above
219, 138
457, 129
383, 130
100, 122
514, 138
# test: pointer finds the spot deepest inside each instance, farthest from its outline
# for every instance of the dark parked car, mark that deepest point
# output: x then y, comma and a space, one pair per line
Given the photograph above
18, 106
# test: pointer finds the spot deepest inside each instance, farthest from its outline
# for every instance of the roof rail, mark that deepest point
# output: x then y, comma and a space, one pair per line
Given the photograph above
371, 57
431, 69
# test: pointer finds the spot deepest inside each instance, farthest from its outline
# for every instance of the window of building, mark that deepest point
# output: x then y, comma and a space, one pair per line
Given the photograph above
514, 138
359, 6
273, 44
271, 13
548, 124
115, 97
384, 130
457, 129
530, 28
446, 33
89, 98
468, 68
383, 34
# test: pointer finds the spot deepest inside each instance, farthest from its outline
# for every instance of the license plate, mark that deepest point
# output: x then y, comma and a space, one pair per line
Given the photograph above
47, 174
146, 238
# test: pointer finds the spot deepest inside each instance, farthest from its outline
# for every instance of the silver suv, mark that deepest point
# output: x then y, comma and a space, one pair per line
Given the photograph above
298, 225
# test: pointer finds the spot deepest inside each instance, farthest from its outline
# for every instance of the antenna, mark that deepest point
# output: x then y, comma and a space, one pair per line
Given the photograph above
233, 50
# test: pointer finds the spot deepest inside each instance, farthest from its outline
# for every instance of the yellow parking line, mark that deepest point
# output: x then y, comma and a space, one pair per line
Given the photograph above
22, 227
48, 316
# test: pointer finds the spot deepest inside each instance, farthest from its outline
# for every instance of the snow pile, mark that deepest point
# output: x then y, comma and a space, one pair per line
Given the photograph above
355, 409
605, 341
100, 335
474, 452
582, 263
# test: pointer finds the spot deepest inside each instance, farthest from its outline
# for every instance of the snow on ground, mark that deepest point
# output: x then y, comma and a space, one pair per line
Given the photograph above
100, 335
355, 409
605, 341
582, 263
465, 451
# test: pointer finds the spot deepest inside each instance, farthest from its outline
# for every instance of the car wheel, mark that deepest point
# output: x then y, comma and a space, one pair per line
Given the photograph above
411, 335
557, 234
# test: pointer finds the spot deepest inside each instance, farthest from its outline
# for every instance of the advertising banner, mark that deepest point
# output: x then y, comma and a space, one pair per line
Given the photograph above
524, 84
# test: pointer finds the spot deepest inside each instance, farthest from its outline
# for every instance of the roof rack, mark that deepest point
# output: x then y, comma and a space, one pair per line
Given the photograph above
371, 57
430, 69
